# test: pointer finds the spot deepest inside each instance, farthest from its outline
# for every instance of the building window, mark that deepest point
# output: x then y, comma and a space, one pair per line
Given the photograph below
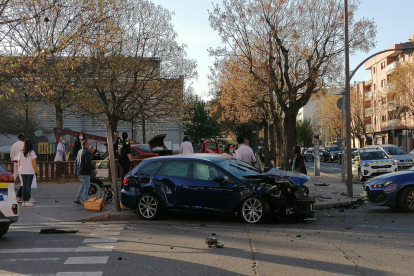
374, 87
373, 70
383, 83
382, 65
384, 118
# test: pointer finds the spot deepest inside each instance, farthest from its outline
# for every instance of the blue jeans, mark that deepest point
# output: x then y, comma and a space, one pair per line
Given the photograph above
27, 180
84, 188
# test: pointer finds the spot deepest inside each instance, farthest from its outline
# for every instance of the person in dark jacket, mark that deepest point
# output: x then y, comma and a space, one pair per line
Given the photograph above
125, 158
298, 162
84, 168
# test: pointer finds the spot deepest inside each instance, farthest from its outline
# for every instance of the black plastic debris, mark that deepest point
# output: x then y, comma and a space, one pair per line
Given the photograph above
120, 259
213, 234
214, 242
57, 231
56, 200
171, 247
298, 236
344, 194
321, 184
342, 210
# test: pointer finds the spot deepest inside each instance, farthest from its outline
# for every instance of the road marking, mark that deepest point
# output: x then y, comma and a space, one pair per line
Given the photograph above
99, 240
386, 227
96, 273
87, 260
59, 250
102, 233
36, 260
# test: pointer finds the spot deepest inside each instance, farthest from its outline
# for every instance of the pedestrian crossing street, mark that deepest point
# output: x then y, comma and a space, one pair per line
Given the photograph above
91, 248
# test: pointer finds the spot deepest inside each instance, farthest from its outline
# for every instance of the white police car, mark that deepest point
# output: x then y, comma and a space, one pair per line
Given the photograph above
372, 162
9, 209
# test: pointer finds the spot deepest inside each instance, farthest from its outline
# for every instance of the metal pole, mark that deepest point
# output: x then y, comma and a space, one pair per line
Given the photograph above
349, 186
343, 159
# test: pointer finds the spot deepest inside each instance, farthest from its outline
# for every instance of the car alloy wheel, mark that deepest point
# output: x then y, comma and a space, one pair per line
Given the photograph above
406, 200
254, 210
148, 206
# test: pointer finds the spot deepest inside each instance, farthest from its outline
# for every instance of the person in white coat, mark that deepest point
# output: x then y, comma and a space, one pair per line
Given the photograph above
186, 146
14, 156
61, 150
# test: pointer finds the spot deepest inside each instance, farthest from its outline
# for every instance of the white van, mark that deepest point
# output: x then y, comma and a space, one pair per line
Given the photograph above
9, 209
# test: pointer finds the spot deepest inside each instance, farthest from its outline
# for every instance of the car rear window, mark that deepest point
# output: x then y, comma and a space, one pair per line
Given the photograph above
176, 168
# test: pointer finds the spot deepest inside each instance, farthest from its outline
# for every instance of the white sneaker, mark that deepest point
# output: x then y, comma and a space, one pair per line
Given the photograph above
32, 200
28, 204
23, 204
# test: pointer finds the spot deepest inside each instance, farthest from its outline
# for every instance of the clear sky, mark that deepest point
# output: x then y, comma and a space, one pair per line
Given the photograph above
393, 20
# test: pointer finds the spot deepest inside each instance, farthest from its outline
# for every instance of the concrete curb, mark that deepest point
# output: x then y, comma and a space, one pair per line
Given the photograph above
114, 216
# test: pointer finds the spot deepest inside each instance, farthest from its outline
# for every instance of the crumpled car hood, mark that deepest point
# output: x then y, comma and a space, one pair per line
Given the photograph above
295, 177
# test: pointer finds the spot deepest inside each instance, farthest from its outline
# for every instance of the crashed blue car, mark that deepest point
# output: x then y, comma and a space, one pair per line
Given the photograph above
215, 184
395, 190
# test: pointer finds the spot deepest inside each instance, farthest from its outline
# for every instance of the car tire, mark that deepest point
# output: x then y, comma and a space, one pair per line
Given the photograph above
3, 229
360, 176
254, 210
406, 200
148, 206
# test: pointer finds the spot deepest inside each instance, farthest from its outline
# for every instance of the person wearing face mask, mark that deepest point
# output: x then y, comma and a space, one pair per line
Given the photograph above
229, 150
61, 150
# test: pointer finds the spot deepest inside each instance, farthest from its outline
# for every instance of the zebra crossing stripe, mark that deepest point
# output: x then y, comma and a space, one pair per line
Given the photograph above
96, 273
29, 260
99, 240
105, 234
87, 260
92, 248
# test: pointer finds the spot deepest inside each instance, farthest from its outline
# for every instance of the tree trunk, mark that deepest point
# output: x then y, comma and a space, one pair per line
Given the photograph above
279, 141
266, 145
272, 146
113, 122
289, 138
143, 131
59, 116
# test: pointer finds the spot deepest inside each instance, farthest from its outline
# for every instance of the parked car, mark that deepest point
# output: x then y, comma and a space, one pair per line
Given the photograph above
155, 147
412, 153
340, 154
210, 147
9, 209
403, 159
310, 154
372, 162
331, 153
394, 190
215, 184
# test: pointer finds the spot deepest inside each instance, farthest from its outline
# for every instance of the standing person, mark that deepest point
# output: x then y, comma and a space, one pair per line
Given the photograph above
28, 170
298, 162
246, 141
116, 141
85, 168
14, 157
229, 150
77, 146
125, 158
61, 150
186, 146
245, 153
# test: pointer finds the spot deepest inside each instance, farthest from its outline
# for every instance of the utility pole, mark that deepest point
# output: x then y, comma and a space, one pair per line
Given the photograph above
349, 187
112, 164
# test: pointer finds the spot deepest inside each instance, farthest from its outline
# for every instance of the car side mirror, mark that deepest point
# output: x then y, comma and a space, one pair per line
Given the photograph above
221, 179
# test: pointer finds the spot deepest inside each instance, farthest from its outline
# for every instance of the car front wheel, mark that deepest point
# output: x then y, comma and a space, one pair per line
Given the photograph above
255, 210
148, 206
3, 229
406, 200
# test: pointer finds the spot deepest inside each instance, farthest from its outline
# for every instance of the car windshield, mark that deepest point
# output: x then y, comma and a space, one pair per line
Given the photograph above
394, 151
145, 148
238, 168
373, 155
334, 149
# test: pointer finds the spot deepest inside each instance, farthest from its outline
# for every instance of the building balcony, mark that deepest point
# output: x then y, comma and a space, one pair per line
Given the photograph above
368, 94
368, 80
392, 66
368, 112
369, 127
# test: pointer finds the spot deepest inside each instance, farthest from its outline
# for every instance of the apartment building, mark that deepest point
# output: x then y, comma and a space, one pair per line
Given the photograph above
385, 120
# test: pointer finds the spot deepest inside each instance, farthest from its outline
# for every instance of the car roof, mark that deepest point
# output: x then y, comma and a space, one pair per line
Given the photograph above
212, 157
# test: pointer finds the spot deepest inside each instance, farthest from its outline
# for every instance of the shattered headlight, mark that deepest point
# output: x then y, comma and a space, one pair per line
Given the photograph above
382, 185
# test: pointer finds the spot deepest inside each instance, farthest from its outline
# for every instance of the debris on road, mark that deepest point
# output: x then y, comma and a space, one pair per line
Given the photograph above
214, 242
57, 231
321, 184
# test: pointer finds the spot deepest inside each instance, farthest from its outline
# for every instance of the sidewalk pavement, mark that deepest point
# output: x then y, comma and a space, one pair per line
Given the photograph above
55, 201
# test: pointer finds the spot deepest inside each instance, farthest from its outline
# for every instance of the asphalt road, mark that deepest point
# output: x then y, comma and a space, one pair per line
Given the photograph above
326, 167
363, 241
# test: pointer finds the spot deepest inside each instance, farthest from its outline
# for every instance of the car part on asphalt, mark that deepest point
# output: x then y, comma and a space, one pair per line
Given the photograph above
213, 242
57, 231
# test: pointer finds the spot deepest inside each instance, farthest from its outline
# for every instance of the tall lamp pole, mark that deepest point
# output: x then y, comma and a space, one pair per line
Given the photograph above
349, 187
